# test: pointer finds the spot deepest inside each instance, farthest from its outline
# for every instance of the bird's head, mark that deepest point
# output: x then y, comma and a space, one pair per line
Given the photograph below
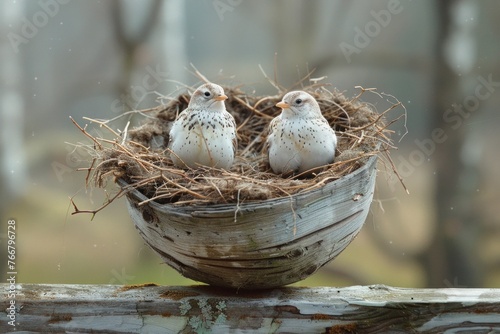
299, 103
207, 96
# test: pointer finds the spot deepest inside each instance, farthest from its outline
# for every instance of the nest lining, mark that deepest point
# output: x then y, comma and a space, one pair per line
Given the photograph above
140, 156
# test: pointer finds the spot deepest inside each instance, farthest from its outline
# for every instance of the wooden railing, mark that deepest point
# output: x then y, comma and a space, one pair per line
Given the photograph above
148, 308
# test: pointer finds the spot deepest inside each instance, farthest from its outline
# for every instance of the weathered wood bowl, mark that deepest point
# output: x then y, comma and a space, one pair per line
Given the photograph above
262, 244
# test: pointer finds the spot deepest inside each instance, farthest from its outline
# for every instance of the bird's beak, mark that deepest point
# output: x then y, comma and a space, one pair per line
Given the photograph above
282, 105
220, 98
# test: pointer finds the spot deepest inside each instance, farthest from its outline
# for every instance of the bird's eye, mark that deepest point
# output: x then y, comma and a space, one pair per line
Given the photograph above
298, 101
207, 94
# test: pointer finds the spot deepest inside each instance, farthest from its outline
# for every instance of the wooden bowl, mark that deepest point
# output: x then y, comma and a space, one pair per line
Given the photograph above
256, 245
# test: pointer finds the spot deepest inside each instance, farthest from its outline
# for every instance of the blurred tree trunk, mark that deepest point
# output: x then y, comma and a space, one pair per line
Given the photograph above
288, 33
13, 167
131, 37
172, 24
451, 258
13, 175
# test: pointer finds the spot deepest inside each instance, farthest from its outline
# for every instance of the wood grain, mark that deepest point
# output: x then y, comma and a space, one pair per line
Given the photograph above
149, 308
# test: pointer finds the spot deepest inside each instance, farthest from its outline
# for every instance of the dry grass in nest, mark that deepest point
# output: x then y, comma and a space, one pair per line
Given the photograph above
140, 157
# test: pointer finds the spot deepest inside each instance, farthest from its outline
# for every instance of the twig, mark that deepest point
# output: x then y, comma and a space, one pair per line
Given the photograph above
192, 193
397, 173
237, 206
94, 212
301, 80
397, 103
198, 74
345, 111
250, 107
83, 130
124, 133
251, 144
89, 169
317, 80
262, 100
275, 84
102, 124
363, 90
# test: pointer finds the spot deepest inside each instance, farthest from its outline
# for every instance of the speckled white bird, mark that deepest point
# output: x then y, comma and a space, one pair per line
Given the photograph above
300, 138
204, 133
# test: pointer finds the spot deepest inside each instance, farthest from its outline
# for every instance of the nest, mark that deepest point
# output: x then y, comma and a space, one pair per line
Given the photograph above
140, 156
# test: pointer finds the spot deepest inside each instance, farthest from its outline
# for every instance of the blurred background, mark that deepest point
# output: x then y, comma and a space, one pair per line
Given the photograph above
99, 59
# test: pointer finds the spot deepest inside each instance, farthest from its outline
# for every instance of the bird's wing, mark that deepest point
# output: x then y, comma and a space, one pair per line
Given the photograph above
177, 126
230, 119
273, 125
334, 135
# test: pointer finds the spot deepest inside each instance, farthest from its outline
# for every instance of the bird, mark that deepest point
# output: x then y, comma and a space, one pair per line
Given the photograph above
204, 134
300, 139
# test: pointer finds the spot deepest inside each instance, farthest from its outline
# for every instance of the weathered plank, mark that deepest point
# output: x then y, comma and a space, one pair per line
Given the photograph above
202, 309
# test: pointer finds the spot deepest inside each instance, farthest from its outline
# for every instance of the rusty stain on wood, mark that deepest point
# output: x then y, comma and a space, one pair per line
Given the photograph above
159, 309
136, 286
287, 309
60, 317
320, 316
342, 329
178, 295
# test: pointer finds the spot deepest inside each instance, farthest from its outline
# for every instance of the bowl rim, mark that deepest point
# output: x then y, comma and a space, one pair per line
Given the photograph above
371, 162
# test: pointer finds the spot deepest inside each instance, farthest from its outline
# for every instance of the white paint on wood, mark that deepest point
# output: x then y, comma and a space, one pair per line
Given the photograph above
203, 309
